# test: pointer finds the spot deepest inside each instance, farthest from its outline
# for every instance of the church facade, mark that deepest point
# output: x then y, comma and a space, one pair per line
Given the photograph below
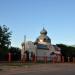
42, 47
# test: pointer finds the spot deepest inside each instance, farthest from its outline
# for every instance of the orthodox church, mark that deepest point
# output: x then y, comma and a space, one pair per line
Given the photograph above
42, 47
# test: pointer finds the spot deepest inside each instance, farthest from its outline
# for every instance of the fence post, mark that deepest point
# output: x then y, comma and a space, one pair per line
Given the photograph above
68, 59
45, 59
9, 57
62, 59
73, 59
53, 60
35, 59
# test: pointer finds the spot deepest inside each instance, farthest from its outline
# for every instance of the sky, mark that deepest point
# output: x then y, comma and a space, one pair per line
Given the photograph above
28, 17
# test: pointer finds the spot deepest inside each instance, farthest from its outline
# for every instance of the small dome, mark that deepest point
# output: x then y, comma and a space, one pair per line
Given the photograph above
43, 31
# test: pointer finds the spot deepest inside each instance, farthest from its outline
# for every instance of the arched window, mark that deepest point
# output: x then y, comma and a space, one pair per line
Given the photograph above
44, 39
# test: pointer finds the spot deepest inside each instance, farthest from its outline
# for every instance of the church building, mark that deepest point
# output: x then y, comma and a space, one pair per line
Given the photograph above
42, 47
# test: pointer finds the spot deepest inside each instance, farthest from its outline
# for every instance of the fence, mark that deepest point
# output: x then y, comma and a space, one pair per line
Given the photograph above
44, 59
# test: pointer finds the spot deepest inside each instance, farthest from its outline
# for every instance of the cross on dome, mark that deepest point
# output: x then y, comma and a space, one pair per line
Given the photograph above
44, 31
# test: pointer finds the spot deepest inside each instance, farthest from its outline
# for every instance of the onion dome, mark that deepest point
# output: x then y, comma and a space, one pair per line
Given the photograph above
43, 38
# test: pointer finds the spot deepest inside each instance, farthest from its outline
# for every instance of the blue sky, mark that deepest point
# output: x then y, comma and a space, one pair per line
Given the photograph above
27, 17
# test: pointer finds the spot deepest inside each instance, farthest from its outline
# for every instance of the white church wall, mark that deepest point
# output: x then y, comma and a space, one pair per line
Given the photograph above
41, 53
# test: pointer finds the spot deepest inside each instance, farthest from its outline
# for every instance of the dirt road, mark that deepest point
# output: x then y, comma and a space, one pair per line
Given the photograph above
40, 69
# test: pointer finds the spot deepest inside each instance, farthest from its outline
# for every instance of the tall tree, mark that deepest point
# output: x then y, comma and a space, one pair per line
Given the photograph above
5, 35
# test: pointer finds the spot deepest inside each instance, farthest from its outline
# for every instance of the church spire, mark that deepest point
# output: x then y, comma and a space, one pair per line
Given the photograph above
43, 31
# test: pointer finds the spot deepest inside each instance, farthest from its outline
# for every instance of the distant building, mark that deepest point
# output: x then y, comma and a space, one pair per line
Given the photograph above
42, 47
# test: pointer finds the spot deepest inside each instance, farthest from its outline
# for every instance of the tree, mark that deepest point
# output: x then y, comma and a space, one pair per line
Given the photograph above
15, 53
67, 51
5, 35
5, 41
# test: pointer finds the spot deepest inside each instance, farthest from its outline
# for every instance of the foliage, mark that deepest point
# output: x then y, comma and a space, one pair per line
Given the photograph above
4, 53
15, 53
67, 51
4, 36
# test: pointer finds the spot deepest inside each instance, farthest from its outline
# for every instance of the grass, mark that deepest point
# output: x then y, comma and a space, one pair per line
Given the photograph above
17, 64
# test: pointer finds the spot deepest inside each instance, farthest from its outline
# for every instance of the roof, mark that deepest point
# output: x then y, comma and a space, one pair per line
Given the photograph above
42, 46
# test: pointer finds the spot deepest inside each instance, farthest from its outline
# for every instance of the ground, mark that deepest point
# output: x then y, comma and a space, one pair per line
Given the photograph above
39, 69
